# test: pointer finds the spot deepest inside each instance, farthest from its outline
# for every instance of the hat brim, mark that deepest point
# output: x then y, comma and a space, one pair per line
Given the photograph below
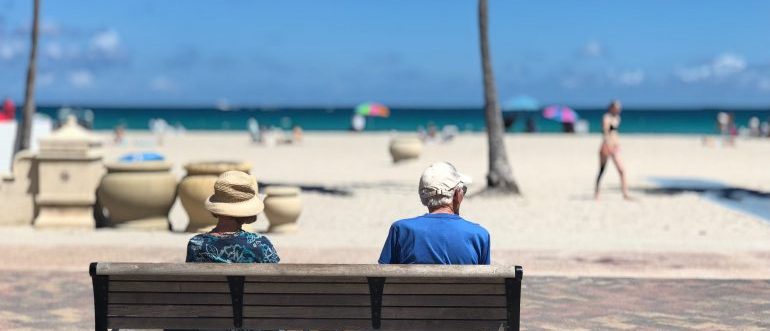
467, 180
251, 207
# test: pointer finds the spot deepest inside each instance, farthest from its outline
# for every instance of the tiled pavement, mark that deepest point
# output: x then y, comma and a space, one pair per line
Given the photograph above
63, 301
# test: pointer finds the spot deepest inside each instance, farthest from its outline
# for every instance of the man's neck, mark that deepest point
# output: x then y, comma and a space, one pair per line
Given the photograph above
442, 210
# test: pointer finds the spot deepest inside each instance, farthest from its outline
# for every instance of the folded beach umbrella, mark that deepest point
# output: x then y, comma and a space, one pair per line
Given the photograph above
521, 103
372, 109
562, 114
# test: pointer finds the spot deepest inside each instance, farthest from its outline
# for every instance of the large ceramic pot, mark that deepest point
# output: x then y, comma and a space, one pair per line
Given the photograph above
137, 195
198, 185
282, 208
405, 148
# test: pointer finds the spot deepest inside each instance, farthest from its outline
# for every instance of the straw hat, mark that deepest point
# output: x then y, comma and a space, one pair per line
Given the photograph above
235, 194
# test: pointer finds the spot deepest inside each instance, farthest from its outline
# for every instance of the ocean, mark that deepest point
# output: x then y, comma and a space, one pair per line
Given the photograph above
644, 121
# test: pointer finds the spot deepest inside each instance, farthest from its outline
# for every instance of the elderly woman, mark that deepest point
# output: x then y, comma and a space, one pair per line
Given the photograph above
235, 202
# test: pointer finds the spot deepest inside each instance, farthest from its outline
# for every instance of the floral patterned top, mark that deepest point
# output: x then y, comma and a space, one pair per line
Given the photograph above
231, 247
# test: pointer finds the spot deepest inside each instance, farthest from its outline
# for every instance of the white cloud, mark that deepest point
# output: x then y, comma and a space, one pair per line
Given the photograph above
629, 77
81, 78
763, 84
724, 65
45, 79
593, 48
11, 49
53, 51
107, 41
728, 64
162, 84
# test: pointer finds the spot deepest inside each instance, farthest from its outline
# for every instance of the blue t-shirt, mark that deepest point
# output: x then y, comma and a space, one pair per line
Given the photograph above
232, 247
436, 239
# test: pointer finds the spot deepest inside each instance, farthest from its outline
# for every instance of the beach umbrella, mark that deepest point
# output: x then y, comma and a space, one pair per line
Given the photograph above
562, 114
372, 109
521, 103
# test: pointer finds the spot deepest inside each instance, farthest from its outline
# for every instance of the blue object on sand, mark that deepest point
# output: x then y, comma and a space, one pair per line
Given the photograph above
141, 157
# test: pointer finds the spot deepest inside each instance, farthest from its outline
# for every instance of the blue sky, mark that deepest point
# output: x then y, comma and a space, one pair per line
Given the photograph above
420, 53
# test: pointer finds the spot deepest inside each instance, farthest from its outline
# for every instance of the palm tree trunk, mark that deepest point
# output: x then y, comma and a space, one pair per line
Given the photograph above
24, 130
500, 176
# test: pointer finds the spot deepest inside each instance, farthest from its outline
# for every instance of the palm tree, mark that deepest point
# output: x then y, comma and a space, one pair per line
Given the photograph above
24, 131
500, 177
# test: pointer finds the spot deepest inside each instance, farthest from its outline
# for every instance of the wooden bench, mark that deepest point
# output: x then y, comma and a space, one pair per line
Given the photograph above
306, 296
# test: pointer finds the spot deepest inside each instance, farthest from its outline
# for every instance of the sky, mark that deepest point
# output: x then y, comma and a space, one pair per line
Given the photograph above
402, 53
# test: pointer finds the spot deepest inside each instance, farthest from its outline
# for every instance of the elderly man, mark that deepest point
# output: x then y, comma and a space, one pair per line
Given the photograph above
441, 236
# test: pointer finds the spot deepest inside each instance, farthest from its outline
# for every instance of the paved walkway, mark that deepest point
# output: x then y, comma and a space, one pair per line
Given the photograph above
63, 301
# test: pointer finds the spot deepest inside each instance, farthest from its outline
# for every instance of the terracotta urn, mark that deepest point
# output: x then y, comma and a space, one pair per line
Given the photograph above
198, 185
137, 195
405, 148
282, 208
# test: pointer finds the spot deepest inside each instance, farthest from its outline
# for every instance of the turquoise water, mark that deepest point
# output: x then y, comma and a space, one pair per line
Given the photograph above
681, 121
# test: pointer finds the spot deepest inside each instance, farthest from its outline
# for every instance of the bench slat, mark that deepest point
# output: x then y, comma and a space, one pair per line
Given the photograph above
362, 300
303, 324
443, 300
170, 323
186, 287
168, 278
431, 325
300, 270
332, 288
437, 280
190, 311
170, 298
306, 312
439, 313
391, 288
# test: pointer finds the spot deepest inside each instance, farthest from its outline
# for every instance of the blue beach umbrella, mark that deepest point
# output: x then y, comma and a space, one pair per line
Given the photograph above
521, 103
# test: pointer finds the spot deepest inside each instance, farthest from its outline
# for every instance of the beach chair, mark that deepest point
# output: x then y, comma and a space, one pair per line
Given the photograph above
305, 296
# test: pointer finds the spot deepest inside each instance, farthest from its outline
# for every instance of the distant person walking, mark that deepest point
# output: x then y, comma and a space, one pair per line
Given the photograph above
441, 236
610, 148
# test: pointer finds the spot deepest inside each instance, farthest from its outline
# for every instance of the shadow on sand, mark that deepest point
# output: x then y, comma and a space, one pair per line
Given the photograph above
745, 200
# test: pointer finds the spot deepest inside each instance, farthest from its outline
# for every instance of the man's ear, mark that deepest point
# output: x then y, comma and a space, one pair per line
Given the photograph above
457, 198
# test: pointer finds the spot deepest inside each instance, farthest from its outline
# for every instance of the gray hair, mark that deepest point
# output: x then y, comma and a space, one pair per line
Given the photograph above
440, 200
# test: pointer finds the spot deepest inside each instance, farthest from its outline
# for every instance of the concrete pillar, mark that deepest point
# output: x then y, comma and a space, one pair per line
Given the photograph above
69, 168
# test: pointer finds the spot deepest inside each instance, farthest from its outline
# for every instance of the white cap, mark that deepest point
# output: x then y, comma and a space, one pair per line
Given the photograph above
441, 178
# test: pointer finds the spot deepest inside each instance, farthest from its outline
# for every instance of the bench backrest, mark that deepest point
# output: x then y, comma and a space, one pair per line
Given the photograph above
314, 296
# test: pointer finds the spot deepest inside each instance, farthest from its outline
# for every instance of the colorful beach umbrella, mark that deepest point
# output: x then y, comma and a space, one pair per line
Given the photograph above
562, 114
372, 109
521, 103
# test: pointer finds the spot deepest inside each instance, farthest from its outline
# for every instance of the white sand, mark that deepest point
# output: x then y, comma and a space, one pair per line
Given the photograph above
555, 228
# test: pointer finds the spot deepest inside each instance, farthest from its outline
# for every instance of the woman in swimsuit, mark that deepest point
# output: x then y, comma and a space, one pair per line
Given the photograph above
610, 148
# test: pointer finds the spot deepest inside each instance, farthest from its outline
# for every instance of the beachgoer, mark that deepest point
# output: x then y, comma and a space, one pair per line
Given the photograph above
441, 236
235, 202
254, 132
357, 123
610, 148
8, 112
119, 134
297, 134
732, 129
531, 126
754, 127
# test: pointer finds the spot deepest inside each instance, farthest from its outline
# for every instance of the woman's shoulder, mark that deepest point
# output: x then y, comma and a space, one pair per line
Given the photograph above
252, 237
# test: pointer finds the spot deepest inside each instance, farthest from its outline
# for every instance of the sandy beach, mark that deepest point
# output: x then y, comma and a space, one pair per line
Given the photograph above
555, 228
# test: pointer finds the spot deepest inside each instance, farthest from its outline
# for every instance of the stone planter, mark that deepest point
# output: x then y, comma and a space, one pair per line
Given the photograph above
138, 195
198, 185
282, 208
405, 148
